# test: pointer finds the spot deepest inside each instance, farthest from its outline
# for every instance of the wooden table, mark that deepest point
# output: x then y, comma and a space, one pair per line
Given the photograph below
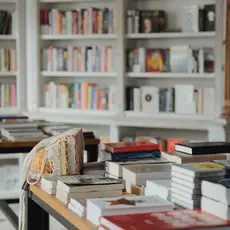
40, 204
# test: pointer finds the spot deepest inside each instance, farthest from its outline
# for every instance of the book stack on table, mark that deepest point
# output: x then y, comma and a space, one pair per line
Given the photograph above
86, 186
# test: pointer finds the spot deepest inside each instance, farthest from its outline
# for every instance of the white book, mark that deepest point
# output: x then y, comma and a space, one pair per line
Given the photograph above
182, 204
125, 205
137, 99
194, 202
54, 21
201, 61
142, 62
139, 174
190, 18
161, 188
150, 99
184, 99
184, 188
76, 210
70, 58
217, 189
186, 195
54, 59
200, 169
216, 208
79, 204
188, 184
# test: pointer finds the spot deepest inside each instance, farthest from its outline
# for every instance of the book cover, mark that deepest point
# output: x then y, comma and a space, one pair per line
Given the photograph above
136, 146
178, 219
154, 60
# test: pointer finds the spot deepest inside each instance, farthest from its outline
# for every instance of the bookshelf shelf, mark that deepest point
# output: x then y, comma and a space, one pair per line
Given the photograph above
171, 35
8, 1
172, 75
80, 37
7, 111
79, 74
8, 74
7, 37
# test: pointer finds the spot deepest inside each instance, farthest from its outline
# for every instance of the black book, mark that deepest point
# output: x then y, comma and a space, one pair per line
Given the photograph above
146, 18
194, 148
129, 98
209, 17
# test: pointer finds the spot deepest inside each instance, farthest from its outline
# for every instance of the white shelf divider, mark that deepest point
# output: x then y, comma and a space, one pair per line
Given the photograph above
8, 74
7, 37
80, 37
172, 75
171, 35
79, 74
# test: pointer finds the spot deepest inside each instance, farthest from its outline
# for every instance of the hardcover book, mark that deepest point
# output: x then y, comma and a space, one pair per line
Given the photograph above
178, 219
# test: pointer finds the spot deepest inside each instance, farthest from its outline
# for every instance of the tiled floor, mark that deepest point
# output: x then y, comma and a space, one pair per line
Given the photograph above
6, 225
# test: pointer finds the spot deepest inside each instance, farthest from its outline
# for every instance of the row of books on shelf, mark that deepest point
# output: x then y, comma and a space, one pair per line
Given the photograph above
155, 185
182, 99
8, 59
79, 21
7, 22
176, 59
8, 95
82, 59
194, 18
80, 96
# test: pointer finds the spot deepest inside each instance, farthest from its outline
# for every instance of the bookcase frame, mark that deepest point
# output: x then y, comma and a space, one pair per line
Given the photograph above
19, 77
117, 121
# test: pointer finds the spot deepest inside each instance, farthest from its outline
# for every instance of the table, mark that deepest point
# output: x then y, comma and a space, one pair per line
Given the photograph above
40, 204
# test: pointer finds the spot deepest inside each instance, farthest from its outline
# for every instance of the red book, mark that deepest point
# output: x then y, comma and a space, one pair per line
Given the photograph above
177, 219
136, 146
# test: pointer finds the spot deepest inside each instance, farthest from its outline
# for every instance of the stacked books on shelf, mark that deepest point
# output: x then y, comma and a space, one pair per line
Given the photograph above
25, 133
80, 21
8, 60
8, 95
182, 99
195, 18
216, 197
89, 96
86, 186
170, 220
96, 208
79, 59
49, 184
186, 182
7, 22
176, 59
162, 188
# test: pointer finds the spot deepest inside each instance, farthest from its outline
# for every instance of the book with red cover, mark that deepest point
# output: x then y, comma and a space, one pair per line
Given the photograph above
177, 219
136, 146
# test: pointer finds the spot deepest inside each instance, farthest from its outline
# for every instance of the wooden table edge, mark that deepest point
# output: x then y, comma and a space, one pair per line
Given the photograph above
62, 209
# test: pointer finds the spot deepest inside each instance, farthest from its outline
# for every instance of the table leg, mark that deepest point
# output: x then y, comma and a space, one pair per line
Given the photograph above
37, 217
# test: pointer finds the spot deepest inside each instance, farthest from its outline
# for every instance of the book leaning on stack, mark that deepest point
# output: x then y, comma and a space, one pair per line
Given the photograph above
86, 186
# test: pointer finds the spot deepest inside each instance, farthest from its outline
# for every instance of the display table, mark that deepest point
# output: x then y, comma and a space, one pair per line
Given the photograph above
41, 204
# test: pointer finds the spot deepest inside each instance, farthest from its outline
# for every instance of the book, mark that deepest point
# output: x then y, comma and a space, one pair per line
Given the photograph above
122, 147
182, 158
76, 210
87, 183
216, 208
217, 189
125, 205
203, 169
170, 220
203, 147
161, 188
209, 17
139, 174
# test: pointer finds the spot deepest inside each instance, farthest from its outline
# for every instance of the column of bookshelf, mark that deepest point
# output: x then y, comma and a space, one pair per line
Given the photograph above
12, 64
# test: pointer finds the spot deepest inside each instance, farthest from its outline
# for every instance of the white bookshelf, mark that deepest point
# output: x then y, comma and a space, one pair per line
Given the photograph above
119, 120
15, 40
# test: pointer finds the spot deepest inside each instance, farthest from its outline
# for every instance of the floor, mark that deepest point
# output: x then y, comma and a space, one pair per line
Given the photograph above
6, 225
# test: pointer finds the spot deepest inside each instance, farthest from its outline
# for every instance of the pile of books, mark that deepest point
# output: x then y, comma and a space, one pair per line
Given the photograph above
186, 182
85, 186
78, 207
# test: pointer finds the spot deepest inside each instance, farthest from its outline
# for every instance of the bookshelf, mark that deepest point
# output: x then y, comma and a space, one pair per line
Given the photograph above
117, 120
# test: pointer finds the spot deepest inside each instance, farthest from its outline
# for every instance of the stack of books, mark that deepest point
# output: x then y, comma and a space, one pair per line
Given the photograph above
186, 182
85, 186
78, 207
216, 197
139, 174
49, 184
8, 95
8, 22
96, 208
94, 168
124, 151
162, 188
